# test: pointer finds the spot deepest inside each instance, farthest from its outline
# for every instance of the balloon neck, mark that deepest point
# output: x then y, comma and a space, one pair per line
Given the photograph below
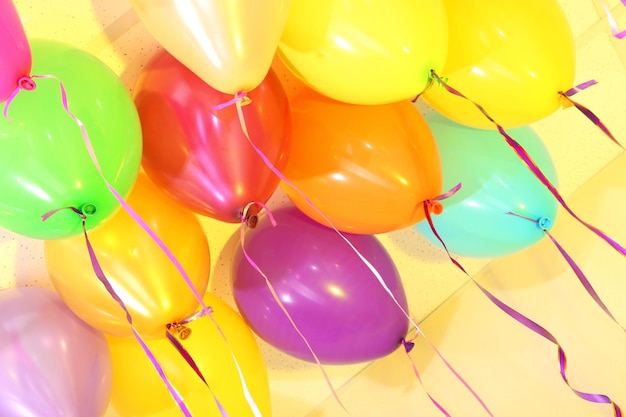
435, 207
26, 83
544, 223
565, 101
88, 209
250, 215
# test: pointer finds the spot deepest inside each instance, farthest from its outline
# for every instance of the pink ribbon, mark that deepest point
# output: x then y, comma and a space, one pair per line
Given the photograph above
239, 103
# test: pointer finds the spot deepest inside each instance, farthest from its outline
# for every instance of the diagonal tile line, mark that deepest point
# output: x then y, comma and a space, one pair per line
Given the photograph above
112, 32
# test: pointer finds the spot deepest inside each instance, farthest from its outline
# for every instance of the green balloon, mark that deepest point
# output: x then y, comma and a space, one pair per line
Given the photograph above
45, 165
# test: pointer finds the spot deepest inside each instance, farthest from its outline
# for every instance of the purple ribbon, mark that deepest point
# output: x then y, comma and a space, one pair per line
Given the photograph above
534, 168
329, 223
588, 113
612, 23
544, 225
27, 83
528, 323
105, 281
408, 346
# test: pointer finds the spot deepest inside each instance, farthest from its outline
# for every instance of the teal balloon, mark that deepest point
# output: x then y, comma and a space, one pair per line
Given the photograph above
45, 165
495, 181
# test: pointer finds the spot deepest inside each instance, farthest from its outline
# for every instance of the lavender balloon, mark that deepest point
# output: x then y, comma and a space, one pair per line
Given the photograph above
51, 363
333, 297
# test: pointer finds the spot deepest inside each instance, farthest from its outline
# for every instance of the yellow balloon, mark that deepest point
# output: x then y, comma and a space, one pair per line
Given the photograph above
151, 287
511, 57
139, 392
228, 44
365, 52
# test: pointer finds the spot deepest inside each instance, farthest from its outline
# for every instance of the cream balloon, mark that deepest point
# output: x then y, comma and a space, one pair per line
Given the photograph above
229, 44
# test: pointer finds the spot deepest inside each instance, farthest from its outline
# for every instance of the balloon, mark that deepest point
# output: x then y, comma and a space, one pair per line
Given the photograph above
142, 275
139, 392
199, 154
333, 297
14, 50
51, 363
366, 168
45, 164
494, 181
511, 57
365, 52
229, 45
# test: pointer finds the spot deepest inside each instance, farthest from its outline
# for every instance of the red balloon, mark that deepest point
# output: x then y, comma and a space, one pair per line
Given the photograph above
15, 53
198, 153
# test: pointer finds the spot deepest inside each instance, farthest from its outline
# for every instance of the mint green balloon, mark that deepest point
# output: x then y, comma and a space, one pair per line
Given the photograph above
494, 181
44, 163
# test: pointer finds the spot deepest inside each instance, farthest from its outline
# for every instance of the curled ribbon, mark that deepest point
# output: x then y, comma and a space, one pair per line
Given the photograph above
532, 166
408, 346
544, 224
612, 23
250, 219
568, 102
107, 285
528, 323
242, 121
27, 83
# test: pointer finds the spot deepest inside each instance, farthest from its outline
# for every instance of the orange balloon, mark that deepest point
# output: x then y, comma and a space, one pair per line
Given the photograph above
139, 392
142, 275
367, 168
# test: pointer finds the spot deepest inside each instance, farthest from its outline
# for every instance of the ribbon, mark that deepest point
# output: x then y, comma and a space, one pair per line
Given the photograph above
239, 104
566, 98
544, 224
248, 220
528, 323
612, 23
179, 329
408, 345
526, 158
107, 285
27, 83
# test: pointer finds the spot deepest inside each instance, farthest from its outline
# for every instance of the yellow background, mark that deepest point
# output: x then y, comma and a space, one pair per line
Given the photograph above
515, 371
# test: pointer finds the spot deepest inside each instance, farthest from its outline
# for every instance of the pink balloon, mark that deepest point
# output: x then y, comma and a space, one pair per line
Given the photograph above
15, 57
51, 362
198, 153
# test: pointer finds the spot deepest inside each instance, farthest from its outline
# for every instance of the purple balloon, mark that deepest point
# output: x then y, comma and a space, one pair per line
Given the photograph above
333, 297
51, 363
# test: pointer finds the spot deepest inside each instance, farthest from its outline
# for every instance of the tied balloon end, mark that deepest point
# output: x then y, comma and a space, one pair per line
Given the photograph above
240, 99
435, 78
26, 83
250, 215
179, 330
407, 345
543, 223
434, 207
88, 209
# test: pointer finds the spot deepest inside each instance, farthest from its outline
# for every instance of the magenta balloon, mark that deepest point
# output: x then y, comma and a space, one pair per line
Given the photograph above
51, 363
333, 297
198, 153
15, 56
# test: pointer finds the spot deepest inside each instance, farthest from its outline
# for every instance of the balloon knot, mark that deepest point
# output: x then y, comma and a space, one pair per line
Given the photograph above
437, 79
408, 346
250, 215
26, 83
565, 101
434, 207
544, 223
179, 330
88, 209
